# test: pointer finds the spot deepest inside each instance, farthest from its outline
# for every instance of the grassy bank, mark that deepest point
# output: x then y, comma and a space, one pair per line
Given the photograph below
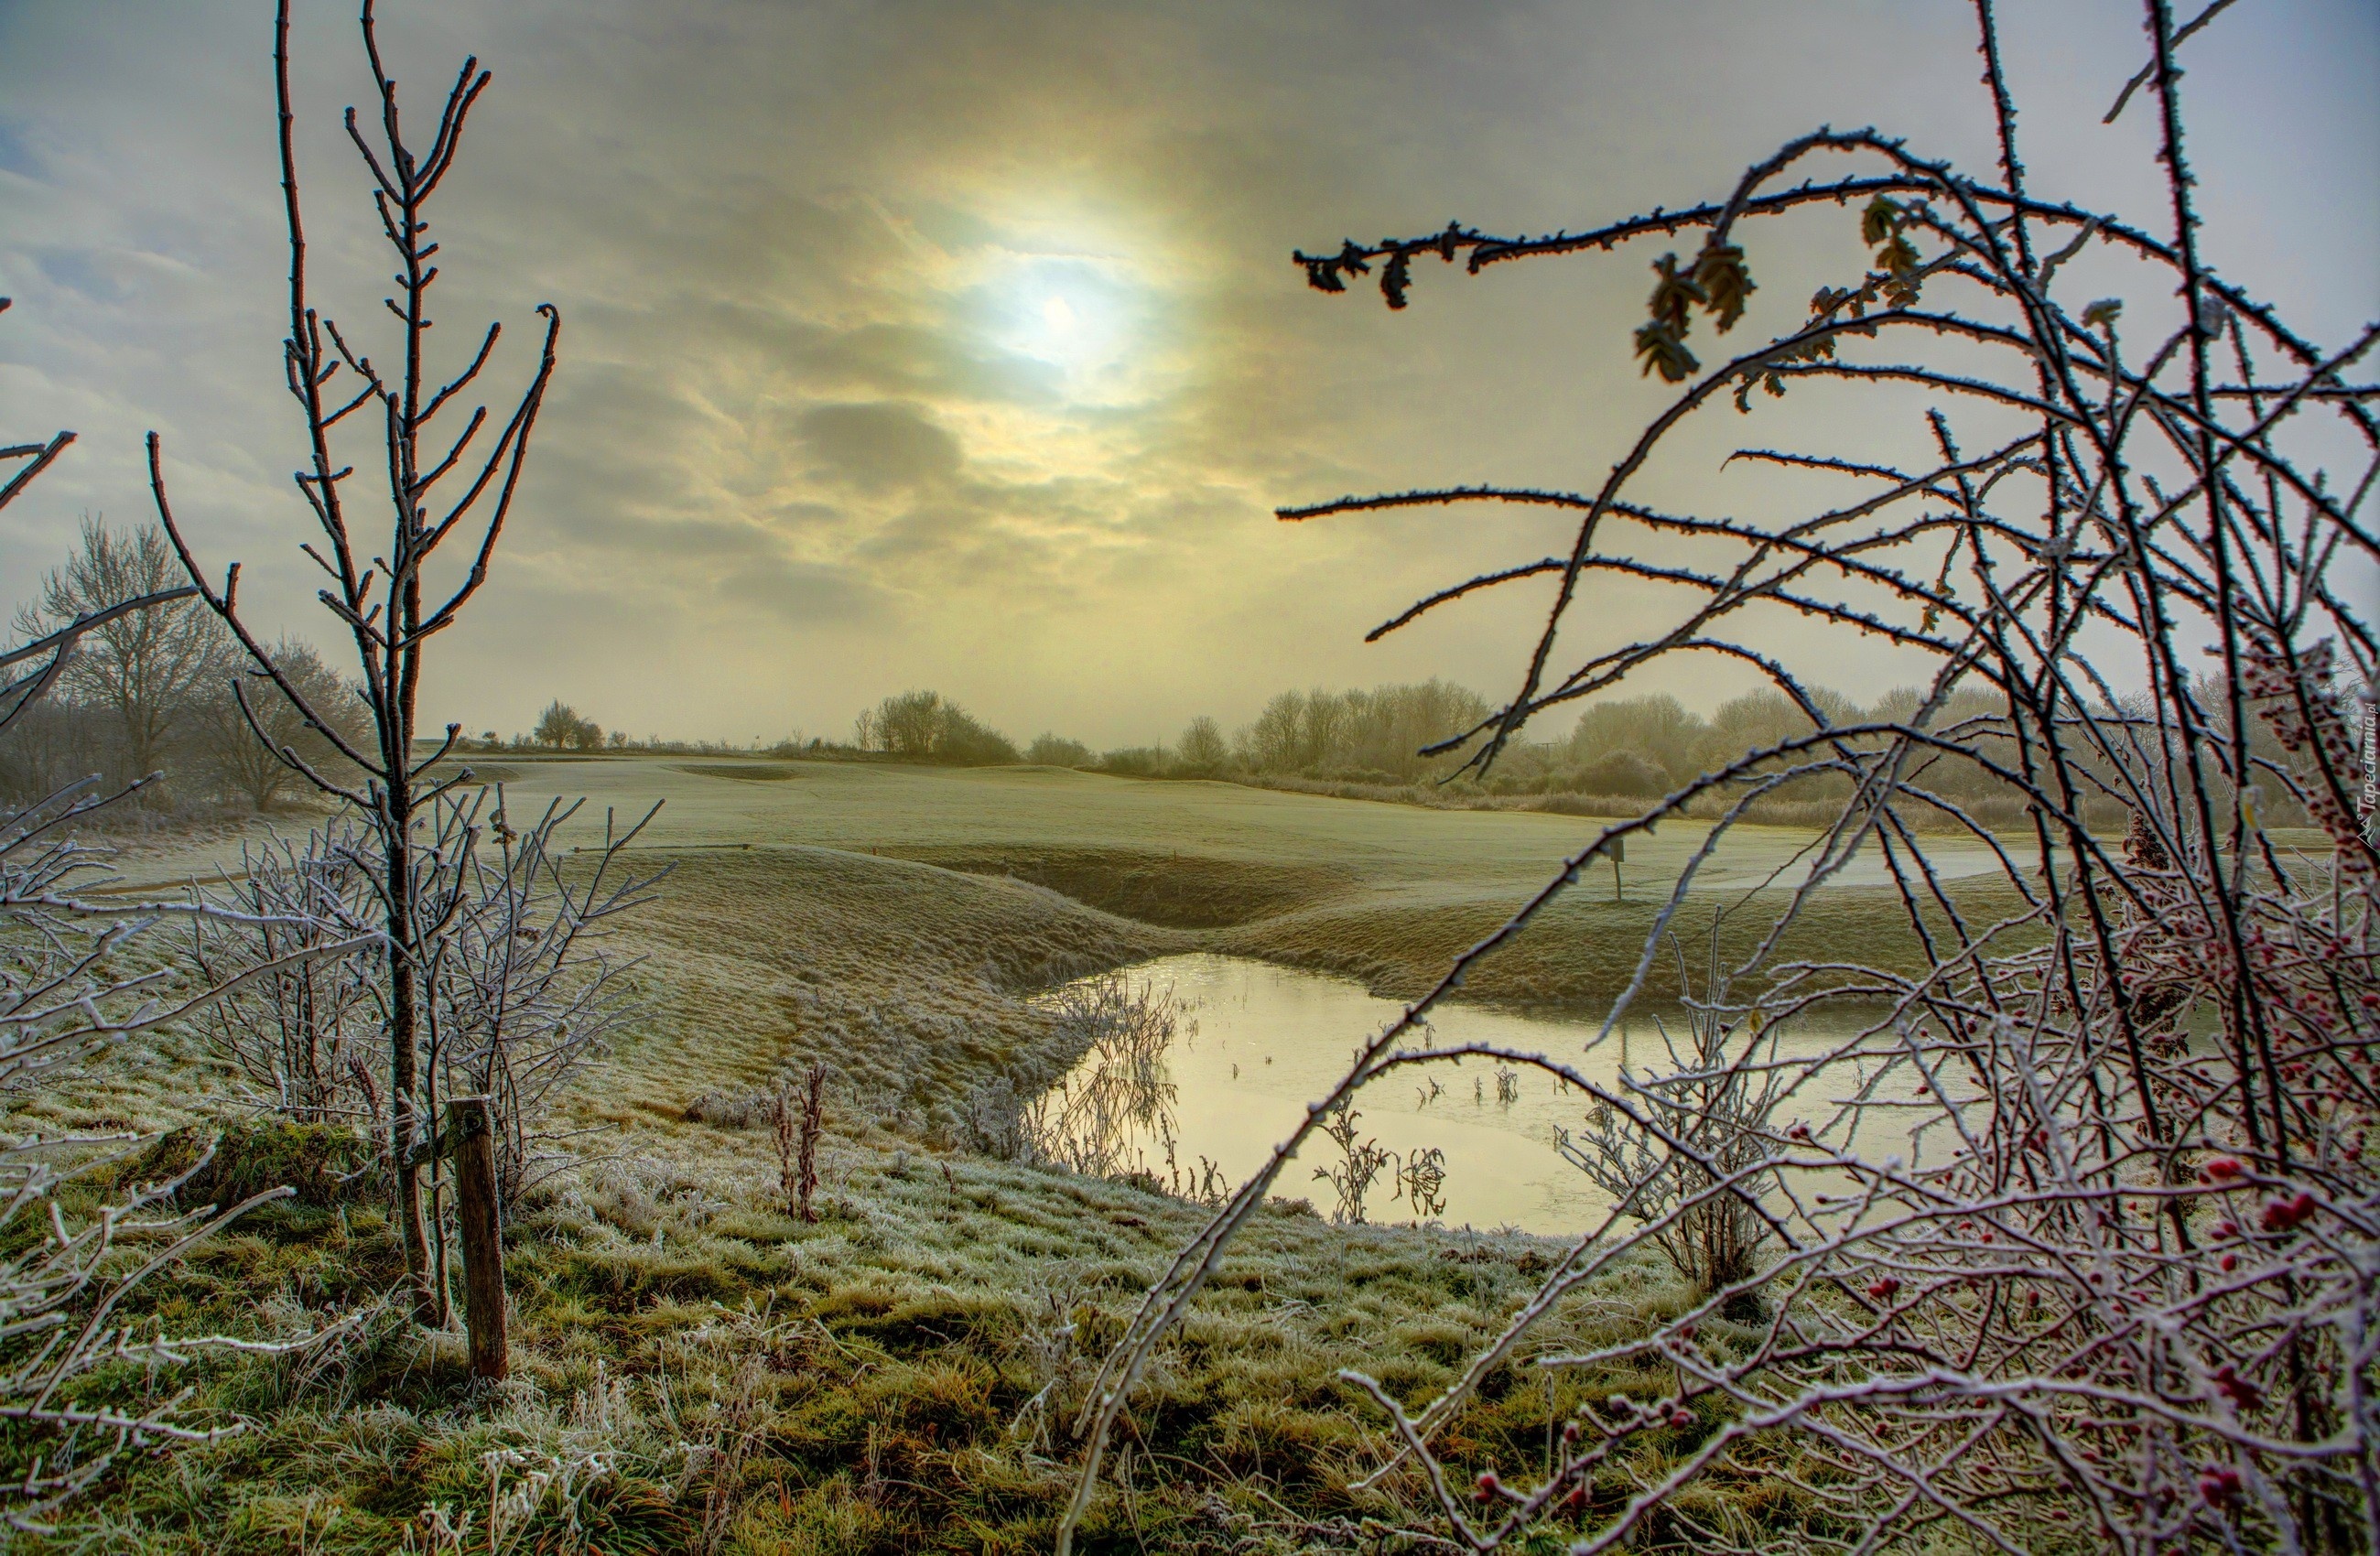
697, 1371
896, 1378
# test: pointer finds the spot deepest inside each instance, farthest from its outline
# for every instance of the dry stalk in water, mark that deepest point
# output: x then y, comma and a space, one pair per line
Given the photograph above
1360, 1162
1121, 1091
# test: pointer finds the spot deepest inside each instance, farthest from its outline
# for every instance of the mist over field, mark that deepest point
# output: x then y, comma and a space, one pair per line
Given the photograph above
877, 778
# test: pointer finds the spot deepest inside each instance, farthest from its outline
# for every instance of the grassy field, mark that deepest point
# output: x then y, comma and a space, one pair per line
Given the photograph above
1384, 893
1388, 894
748, 1382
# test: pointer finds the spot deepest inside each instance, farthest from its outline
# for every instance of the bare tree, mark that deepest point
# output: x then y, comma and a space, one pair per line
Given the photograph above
1202, 747
928, 727
64, 1000
1050, 749
306, 1039
440, 486
240, 742
522, 989
2074, 1243
518, 989
1378, 730
557, 727
150, 670
1718, 1092
32, 668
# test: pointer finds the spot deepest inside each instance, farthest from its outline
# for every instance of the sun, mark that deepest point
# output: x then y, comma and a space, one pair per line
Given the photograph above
1065, 336
1074, 314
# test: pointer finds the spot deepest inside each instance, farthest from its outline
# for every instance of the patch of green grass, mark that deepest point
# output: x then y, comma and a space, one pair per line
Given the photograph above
866, 1383
325, 1163
1587, 948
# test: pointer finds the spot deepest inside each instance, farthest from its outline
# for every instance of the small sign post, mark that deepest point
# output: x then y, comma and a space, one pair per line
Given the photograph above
470, 1129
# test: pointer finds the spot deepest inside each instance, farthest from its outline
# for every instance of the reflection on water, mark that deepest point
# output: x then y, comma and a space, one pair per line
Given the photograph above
1268, 1040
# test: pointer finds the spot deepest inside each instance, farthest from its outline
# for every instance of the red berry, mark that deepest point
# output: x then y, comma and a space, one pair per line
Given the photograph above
1882, 1289
2283, 1215
2230, 1262
2237, 1390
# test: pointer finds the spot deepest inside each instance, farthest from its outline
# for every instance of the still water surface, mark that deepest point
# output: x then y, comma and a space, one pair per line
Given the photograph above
1262, 1041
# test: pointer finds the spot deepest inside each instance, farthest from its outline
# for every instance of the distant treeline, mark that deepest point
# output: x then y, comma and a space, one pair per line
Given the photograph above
153, 692
1618, 757
1641, 747
560, 729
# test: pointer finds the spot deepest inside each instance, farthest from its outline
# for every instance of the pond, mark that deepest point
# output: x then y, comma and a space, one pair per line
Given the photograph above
1254, 1044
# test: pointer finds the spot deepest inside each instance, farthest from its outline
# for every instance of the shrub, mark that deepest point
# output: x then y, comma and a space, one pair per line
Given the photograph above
1619, 772
2071, 1243
1051, 750
321, 1164
926, 726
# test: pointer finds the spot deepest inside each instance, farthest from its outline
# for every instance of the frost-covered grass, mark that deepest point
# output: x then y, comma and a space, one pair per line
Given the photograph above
698, 1370
1384, 893
896, 1378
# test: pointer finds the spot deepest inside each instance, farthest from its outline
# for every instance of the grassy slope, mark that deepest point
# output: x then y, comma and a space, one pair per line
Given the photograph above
1386, 892
873, 1367
909, 979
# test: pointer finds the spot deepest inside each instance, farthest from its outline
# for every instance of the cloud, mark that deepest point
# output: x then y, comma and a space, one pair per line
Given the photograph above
810, 594
878, 447
937, 343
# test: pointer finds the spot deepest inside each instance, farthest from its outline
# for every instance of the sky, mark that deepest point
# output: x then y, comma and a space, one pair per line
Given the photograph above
956, 343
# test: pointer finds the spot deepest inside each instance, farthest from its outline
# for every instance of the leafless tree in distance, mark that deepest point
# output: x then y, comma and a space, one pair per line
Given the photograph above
148, 670
29, 671
248, 768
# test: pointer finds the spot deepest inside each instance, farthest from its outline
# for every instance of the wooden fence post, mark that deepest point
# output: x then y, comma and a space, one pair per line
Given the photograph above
470, 1131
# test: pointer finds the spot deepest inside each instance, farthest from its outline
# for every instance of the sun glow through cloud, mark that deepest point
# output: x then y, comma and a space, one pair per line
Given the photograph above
1084, 317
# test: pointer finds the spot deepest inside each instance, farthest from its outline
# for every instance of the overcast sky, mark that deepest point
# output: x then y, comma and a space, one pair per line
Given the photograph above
957, 344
